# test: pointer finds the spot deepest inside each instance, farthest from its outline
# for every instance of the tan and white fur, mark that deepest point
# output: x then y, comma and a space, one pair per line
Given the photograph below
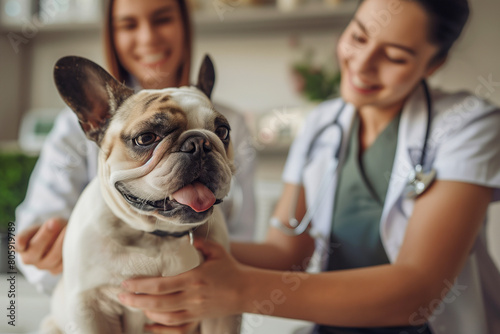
109, 239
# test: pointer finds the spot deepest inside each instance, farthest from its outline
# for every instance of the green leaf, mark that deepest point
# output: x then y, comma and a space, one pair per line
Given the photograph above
15, 170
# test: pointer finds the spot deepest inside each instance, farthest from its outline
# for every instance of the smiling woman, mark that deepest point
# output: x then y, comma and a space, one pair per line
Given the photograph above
381, 66
150, 40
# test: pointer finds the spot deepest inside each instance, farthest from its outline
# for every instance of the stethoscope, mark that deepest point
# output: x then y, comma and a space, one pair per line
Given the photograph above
418, 180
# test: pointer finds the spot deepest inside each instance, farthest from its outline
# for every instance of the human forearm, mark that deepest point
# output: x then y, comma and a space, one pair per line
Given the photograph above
385, 295
439, 238
279, 251
261, 255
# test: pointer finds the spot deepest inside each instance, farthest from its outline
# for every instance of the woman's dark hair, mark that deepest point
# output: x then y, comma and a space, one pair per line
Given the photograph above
447, 20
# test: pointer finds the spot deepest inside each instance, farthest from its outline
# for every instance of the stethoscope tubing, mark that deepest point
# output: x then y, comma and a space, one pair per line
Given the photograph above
297, 228
417, 179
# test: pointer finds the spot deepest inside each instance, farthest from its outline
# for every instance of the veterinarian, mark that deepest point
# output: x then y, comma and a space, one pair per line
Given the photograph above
397, 179
148, 45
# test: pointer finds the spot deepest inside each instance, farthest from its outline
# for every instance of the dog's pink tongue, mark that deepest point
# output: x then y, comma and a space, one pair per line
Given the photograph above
196, 196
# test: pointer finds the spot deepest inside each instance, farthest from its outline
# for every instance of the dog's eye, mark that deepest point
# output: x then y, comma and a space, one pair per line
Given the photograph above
146, 139
222, 132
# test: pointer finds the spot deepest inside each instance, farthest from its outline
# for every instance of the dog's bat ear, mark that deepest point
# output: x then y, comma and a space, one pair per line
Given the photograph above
206, 76
92, 93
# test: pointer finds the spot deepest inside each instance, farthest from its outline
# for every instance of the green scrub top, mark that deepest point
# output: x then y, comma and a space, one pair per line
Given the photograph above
361, 190
359, 201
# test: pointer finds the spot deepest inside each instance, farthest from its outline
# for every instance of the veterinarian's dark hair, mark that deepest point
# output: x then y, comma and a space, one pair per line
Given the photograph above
116, 68
447, 19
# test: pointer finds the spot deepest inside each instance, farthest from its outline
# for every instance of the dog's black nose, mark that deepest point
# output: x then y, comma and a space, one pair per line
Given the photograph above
198, 146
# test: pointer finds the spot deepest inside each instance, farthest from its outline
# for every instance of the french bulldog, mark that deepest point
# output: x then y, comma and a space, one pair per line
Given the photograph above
165, 162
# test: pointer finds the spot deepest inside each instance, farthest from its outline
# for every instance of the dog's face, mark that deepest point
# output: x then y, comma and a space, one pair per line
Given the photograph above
166, 155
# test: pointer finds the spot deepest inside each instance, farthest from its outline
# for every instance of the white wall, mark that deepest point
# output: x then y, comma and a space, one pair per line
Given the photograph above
476, 55
47, 48
11, 65
253, 72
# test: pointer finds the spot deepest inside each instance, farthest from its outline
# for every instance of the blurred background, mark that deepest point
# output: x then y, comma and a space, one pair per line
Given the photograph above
275, 60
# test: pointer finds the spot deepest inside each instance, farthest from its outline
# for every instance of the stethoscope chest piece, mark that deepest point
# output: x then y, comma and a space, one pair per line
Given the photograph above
418, 181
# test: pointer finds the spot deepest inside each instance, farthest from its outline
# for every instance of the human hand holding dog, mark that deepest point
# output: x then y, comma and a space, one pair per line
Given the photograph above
41, 245
213, 289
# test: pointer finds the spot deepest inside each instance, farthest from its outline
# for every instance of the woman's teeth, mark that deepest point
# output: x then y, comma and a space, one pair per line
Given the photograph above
154, 58
360, 84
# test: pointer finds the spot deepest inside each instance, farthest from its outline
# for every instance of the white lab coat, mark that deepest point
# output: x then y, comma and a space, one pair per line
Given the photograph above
463, 146
68, 162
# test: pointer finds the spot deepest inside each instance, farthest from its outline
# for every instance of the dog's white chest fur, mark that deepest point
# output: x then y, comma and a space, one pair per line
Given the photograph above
166, 259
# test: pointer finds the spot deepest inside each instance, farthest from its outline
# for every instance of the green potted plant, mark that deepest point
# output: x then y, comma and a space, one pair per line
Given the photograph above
15, 170
316, 83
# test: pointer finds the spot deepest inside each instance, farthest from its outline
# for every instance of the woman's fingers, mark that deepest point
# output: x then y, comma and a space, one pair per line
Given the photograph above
209, 248
47, 235
210, 290
24, 237
165, 303
168, 310
57, 269
52, 260
155, 285
37, 242
173, 284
